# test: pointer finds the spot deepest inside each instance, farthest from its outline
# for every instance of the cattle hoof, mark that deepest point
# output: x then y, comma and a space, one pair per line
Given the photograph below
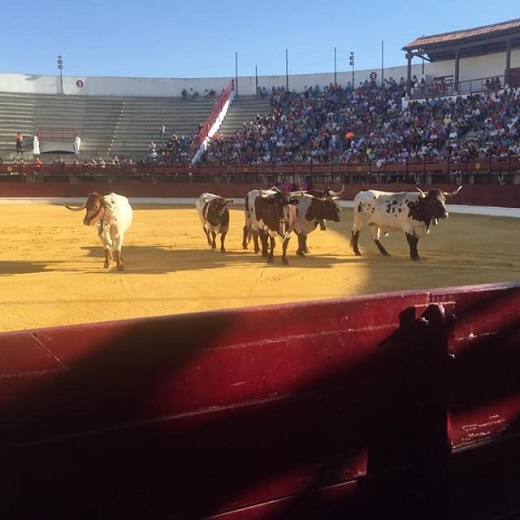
300, 253
120, 267
285, 261
416, 258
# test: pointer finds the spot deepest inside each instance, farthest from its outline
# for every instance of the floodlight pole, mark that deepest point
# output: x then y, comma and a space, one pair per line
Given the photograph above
60, 67
335, 76
287, 70
351, 62
236, 73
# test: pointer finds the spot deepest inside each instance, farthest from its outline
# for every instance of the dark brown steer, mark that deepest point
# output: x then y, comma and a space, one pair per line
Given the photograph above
275, 213
213, 213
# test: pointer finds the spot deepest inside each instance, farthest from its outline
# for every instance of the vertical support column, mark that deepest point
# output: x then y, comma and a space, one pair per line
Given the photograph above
508, 63
409, 57
457, 68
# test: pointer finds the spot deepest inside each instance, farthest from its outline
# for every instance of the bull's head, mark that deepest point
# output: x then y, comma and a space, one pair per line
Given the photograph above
433, 204
330, 206
95, 206
330, 210
282, 201
447, 194
220, 204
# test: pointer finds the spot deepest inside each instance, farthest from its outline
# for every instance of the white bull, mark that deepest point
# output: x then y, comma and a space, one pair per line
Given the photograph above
112, 215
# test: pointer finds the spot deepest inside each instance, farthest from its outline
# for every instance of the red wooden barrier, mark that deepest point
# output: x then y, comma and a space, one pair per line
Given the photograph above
402, 404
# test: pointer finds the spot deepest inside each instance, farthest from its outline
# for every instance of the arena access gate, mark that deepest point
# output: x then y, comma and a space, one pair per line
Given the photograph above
399, 404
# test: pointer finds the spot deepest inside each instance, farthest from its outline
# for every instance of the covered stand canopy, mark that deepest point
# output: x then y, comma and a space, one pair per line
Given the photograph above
456, 45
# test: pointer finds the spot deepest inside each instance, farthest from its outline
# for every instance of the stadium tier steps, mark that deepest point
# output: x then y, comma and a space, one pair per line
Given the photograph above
243, 111
108, 126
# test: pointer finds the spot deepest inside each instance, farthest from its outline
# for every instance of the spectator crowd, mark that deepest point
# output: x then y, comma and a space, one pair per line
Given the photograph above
368, 124
371, 124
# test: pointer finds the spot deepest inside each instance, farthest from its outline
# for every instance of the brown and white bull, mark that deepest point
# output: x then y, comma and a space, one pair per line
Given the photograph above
112, 215
315, 207
213, 213
270, 214
410, 212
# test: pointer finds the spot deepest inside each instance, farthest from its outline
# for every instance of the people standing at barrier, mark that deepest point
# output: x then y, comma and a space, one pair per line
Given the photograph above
19, 142
37, 163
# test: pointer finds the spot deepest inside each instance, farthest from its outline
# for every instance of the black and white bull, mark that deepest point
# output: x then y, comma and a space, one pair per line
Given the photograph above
410, 212
213, 213
315, 207
269, 214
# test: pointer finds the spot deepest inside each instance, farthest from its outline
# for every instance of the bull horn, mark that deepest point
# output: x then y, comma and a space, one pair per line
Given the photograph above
452, 193
336, 193
83, 206
230, 201
421, 193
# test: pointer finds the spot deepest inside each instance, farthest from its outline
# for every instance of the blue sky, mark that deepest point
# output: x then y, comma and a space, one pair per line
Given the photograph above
217, 38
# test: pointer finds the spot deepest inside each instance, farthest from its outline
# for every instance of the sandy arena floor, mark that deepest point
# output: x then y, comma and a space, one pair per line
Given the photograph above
51, 265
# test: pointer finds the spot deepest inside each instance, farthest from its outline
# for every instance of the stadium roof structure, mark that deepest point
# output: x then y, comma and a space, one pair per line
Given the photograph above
468, 42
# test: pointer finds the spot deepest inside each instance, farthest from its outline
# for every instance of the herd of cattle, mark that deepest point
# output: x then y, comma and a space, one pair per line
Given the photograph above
274, 214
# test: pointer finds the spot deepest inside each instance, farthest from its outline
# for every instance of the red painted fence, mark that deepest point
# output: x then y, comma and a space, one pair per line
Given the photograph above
399, 405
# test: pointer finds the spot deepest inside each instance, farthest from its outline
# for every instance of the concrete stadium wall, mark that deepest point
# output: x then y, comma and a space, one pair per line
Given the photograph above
471, 68
173, 87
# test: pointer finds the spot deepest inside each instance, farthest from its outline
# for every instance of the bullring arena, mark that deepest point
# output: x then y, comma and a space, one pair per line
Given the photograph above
199, 384
51, 265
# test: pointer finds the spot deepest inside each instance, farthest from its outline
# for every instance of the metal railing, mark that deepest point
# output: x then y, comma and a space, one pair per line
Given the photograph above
486, 170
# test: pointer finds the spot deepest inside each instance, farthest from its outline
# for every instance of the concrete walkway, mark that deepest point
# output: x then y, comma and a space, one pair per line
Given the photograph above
452, 208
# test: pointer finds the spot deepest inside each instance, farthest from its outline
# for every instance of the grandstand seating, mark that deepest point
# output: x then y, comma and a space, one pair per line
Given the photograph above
108, 126
243, 110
